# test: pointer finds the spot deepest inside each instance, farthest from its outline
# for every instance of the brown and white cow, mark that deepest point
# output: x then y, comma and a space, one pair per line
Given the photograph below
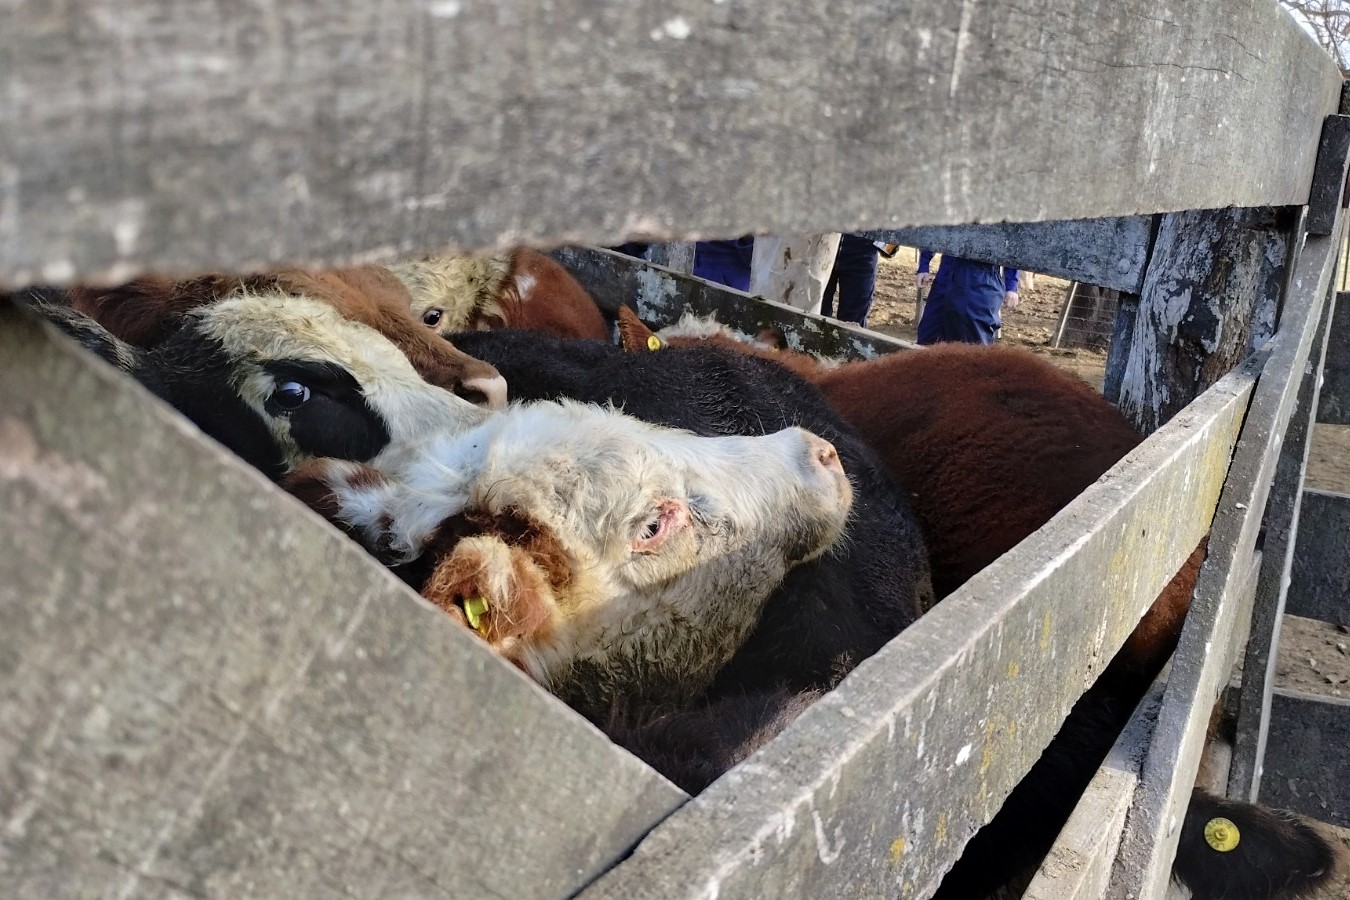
607, 557
520, 289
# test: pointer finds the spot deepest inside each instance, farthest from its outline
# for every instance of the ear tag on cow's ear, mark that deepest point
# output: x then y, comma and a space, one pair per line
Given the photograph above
1222, 834
653, 343
474, 610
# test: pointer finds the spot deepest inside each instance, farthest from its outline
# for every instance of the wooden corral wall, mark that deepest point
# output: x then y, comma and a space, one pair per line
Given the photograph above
203, 690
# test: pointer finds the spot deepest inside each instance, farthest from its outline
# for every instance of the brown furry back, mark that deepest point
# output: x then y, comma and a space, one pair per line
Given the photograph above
990, 442
146, 311
554, 302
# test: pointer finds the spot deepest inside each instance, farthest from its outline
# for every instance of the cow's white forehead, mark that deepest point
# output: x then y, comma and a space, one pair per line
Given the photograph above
273, 325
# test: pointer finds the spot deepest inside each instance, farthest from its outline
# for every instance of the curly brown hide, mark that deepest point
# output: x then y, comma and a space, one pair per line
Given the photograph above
556, 303
521, 577
146, 311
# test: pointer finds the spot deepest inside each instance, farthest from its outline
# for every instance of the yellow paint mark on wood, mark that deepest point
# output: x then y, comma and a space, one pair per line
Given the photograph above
897, 850
1047, 626
1014, 669
940, 833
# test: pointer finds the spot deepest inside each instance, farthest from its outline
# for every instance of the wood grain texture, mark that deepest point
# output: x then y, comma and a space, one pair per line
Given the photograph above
183, 134
1220, 610
206, 691
877, 787
1333, 405
1210, 294
1282, 528
661, 296
1320, 579
1107, 252
1079, 864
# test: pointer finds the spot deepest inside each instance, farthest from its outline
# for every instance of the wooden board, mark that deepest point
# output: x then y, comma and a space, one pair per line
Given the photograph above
1333, 406
1283, 525
1308, 737
876, 788
1106, 252
1078, 866
1210, 295
1320, 579
661, 296
1220, 612
207, 691
180, 134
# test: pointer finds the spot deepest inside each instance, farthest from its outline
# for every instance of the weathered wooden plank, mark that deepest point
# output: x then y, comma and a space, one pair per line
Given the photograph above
1212, 278
1333, 405
1204, 656
1328, 187
1282, 526
793, 269
206, 691
677, 256
178, 134
1308, 736
661, 296
1078, 866
877, 787
1320, 578
1118, 353
1109, 252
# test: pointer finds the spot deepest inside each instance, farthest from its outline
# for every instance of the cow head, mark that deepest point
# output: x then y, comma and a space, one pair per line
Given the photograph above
599, 553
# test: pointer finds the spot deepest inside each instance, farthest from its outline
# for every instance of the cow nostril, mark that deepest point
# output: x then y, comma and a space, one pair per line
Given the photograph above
489, 392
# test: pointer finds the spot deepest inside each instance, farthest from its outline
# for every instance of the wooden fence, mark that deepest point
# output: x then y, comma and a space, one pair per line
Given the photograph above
204, 690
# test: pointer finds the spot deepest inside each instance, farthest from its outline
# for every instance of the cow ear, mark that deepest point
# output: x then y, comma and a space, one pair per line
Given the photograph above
494, 589
633, 334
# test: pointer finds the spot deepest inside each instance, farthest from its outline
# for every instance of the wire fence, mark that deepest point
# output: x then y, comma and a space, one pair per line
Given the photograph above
1086, 317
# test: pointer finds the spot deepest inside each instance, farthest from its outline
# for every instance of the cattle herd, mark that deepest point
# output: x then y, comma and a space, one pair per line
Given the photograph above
687, 535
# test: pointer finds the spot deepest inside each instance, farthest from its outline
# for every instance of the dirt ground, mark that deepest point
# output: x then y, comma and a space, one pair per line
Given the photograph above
1314, 657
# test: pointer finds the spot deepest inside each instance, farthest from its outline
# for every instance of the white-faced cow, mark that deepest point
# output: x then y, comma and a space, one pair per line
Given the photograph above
609, 558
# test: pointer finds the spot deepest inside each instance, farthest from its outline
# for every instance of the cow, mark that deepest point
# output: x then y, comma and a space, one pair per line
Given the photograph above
614, 561
828, 614
147, 310
520, 289
278, 379
991, 442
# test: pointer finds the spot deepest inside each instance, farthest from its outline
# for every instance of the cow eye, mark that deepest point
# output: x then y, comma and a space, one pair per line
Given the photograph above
290, 396
432, 317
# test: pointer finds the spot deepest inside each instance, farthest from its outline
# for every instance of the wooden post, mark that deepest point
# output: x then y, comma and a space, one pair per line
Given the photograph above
793, 270
1210, 275
678, 255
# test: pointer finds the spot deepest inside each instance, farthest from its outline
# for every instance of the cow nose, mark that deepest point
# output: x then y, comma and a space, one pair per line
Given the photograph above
489, 391
824, 454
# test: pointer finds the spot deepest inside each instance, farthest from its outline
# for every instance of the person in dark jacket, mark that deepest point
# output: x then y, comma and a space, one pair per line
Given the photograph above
855, 275
725, 262
965, 300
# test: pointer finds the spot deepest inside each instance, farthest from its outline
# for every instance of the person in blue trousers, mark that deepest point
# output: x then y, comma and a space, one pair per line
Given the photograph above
725, 262
965, 300
855, 275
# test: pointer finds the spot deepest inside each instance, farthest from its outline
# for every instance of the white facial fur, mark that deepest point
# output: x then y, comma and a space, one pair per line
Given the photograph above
734, 513
258, 328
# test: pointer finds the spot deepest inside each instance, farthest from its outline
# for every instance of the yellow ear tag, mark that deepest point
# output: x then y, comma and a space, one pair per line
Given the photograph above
1222, 834
474, 610
653, 343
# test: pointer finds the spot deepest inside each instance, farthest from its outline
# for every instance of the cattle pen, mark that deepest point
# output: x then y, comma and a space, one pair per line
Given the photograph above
209, 692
